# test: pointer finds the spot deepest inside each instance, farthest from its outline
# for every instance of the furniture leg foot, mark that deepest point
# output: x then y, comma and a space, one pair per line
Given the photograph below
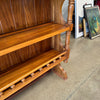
60, 72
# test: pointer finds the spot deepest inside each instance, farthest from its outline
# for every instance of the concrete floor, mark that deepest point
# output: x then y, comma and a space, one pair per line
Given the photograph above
83, 71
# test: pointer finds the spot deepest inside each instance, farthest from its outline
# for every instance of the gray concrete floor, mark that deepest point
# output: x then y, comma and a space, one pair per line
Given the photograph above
83, 71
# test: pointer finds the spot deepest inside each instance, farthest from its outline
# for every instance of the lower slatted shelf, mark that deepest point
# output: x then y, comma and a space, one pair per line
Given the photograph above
25, 73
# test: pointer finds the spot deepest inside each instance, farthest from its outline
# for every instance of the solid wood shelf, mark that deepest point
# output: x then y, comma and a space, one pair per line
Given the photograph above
28, 31
26, 37
39, 64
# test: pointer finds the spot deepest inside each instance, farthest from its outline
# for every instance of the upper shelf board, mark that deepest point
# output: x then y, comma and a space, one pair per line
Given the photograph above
20, 39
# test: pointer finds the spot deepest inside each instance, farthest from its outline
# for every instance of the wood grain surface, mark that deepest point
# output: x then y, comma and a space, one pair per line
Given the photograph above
20, 72
16, 15
28, 37
30, 41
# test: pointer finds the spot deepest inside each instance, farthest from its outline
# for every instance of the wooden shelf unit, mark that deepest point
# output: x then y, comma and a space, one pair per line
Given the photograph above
31, 69
26, 37
30, 42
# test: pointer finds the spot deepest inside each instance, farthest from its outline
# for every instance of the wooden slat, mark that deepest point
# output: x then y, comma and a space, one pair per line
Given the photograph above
28, 80
20, 72
28, 37
30, 13
6, 19
18, 14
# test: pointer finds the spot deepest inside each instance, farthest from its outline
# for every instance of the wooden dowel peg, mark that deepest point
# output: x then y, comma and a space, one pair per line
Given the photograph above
40, 69
48, 65
59, 57
54, 61
1, 93
23, 80
32, 74
12, 86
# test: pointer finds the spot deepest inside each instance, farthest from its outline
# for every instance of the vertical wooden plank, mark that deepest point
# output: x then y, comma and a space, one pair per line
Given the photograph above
30, 12
47, 10
25, 13
1, 29
56, 41
4, 62
70, 15
39, 11
56, 11
6, 19
19, 14
46, 45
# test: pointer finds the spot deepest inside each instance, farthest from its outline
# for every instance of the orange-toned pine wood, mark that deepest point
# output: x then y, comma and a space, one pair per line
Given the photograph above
60, 71
28, 37
10, 60
69, 22
18, 15
56, 11
29, 79
20, 72
26, 28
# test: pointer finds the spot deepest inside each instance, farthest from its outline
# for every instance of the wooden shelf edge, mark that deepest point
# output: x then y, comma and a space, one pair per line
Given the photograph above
30, 42
32, 71
29, 79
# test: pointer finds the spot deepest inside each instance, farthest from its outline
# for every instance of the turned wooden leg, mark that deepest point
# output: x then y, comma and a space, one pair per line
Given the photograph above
67, 55
60, 72
67, 42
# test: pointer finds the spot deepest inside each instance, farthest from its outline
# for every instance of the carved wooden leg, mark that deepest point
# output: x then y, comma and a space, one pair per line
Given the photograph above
67, 42
66, 61
69, 22
60, 72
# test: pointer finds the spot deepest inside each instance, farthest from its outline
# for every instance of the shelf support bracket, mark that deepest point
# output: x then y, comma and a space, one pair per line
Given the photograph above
60, 72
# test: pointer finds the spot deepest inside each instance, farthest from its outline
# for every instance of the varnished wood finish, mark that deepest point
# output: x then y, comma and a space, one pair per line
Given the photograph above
57, 17
32, 66
56, 11
56, 40
25, 69
8, 61
6, 18
27, 37
29, 79
69, 22
60, 72
21, 14
29, 29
